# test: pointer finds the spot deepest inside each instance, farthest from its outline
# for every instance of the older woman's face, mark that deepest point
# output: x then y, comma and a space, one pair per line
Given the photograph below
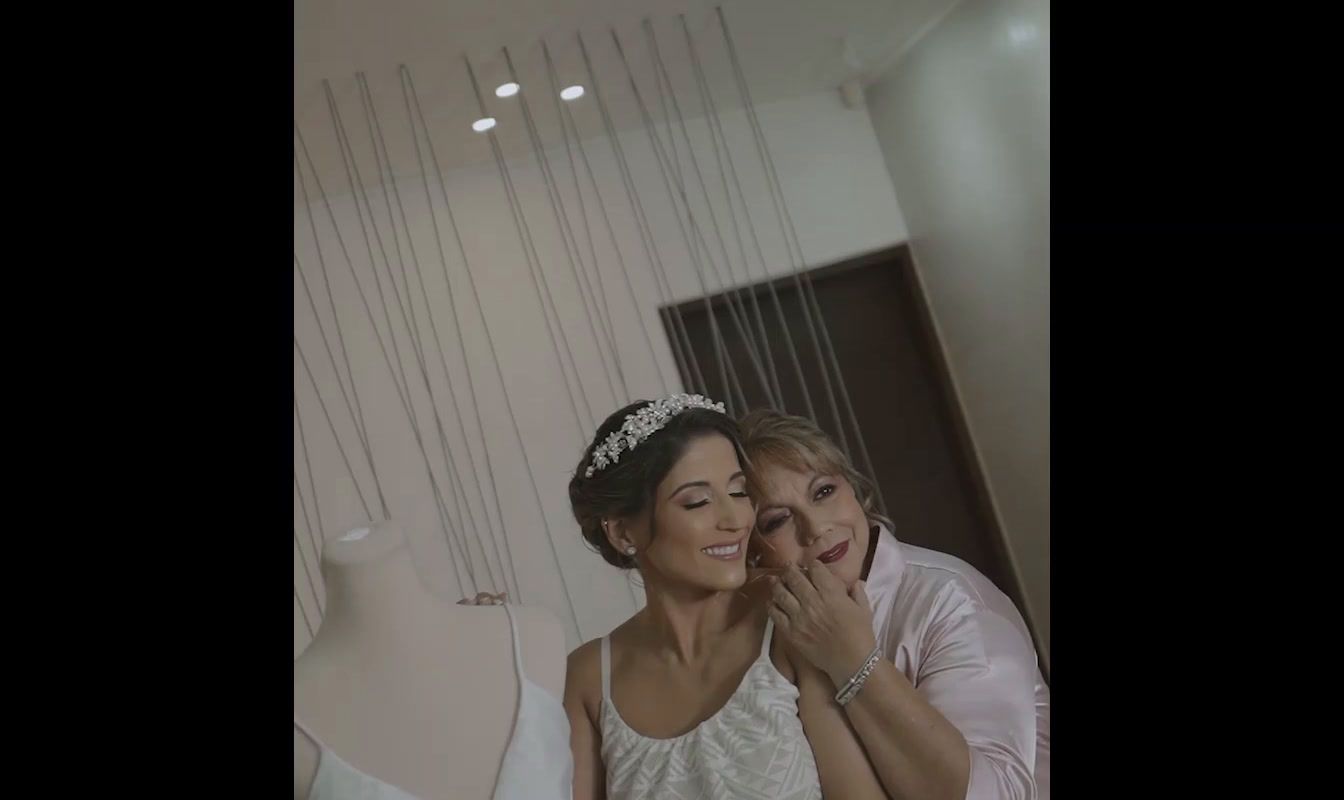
809, 515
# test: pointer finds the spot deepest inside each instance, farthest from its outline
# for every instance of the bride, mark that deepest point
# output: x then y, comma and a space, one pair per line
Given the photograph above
694, 695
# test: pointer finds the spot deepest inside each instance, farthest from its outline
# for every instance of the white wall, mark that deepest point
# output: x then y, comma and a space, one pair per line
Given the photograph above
842, 201
964, 123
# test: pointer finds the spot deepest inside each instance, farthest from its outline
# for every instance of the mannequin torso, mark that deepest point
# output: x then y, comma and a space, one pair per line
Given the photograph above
409, 688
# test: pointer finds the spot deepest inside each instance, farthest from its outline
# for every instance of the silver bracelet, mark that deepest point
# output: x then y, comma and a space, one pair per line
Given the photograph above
854, 684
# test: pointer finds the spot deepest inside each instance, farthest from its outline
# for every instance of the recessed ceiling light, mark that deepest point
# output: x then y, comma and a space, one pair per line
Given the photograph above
506, 89
483, 124
571, 93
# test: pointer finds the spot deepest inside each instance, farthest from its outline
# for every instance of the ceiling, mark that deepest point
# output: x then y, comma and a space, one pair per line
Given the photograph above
787, 48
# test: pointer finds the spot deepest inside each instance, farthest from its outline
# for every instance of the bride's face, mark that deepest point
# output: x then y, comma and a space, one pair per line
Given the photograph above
696, 533
808, 515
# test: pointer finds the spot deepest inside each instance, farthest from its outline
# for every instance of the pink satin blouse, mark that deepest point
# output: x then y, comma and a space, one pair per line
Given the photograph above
962, 643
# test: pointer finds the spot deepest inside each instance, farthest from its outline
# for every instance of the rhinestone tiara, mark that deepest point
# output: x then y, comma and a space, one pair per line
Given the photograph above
642, 424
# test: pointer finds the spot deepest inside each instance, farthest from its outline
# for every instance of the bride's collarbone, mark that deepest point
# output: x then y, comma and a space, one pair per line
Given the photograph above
664, 698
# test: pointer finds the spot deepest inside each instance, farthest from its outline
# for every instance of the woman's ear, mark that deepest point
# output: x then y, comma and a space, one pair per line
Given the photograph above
618, 535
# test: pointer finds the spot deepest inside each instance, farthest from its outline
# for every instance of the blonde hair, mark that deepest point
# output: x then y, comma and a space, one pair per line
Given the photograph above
796, 443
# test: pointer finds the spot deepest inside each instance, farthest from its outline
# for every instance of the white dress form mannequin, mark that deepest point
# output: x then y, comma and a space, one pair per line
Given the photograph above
412, 689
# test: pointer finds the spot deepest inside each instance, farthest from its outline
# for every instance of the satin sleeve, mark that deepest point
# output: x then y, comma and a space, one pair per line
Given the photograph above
979, 671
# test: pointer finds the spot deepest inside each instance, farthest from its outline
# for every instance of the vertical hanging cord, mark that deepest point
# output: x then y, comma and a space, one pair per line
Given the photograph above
765, 272
322, 263
787, 221
508, 403
406, 405
312, 581
711, 115
352, 399
719, 348
303, 559
584, 422
312, 480
336, 437
479, 529
357, 191
739, 313
304, 613
727, 371
303, 507
574, 258
600, 301
568, 117
680, 339
457, 327
307, 571
406, 307
451, 530
332, 426
459, 495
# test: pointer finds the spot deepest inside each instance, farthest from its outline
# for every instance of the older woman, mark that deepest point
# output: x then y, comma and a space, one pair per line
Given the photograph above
933, 665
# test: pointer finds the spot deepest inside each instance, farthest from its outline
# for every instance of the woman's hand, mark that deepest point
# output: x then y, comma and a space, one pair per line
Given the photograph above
828, 626
843, 766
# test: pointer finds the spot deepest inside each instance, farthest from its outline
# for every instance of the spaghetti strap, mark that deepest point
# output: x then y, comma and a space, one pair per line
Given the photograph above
606, 668
311, 736
517, 648
765, 643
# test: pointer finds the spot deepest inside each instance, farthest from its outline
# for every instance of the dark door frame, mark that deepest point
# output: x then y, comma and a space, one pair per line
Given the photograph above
899, 258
